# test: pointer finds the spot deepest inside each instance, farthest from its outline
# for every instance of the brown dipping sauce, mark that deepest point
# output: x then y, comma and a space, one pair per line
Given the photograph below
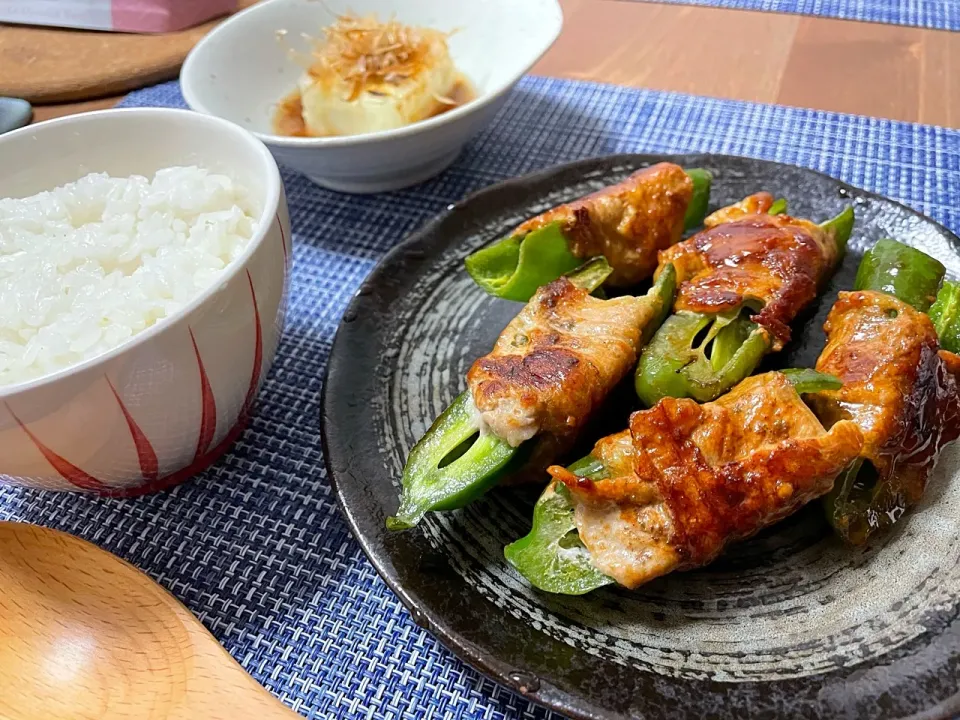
288, 117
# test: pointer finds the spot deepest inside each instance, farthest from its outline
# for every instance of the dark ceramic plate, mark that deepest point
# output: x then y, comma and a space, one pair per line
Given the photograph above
788, 624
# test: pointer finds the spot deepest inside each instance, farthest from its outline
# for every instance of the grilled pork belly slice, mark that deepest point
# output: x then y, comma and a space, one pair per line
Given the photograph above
756, 204
557, 361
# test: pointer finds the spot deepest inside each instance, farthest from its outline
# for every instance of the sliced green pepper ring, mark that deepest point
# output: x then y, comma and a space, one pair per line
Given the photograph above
779, 207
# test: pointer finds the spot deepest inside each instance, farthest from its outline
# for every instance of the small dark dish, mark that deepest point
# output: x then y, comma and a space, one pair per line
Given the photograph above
789, 624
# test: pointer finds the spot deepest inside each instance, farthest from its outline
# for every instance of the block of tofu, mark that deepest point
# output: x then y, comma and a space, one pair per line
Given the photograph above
369, 76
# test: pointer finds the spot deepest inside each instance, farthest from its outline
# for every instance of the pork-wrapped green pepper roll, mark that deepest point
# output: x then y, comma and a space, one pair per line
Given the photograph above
899, 388
740, 285
682, 483
526, 401
627, 223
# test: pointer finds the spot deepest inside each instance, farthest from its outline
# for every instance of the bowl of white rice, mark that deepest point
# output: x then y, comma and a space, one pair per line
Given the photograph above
144, 256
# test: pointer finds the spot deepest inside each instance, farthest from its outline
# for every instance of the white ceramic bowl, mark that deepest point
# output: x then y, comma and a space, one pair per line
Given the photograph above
241, 70
161, 407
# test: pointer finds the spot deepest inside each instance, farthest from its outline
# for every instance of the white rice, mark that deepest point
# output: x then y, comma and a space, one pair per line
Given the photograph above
90, 264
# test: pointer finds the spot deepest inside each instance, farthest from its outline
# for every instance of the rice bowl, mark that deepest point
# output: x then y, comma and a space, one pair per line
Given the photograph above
185, 271
87, 265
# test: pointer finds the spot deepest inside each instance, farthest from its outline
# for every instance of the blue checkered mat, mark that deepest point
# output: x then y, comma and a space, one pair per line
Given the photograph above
256, 546
935, 14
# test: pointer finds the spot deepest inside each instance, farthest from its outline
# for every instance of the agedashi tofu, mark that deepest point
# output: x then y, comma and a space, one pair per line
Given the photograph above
366, 76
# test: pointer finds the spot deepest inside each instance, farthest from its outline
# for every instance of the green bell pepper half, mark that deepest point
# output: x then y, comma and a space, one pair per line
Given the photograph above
945, 314
697, 209
514, 267
779, 207
906, 273
452, 465
552, 557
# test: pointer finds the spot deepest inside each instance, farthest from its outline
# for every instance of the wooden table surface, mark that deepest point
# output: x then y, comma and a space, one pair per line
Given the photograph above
889, 71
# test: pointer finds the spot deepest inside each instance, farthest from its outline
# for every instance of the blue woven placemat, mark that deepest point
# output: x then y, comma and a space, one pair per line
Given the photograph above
256, 546
936, 14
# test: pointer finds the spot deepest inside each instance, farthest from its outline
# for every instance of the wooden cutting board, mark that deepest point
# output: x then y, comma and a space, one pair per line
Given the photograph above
49, 65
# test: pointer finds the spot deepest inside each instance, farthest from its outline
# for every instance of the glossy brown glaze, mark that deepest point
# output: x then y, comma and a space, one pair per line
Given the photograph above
556, 361
775, 261
628, 223
704, 476
899, 388
952, 363
755, 204
731, 467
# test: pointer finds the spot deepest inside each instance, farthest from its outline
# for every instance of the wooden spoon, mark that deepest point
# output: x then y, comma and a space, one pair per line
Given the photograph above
84, 634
